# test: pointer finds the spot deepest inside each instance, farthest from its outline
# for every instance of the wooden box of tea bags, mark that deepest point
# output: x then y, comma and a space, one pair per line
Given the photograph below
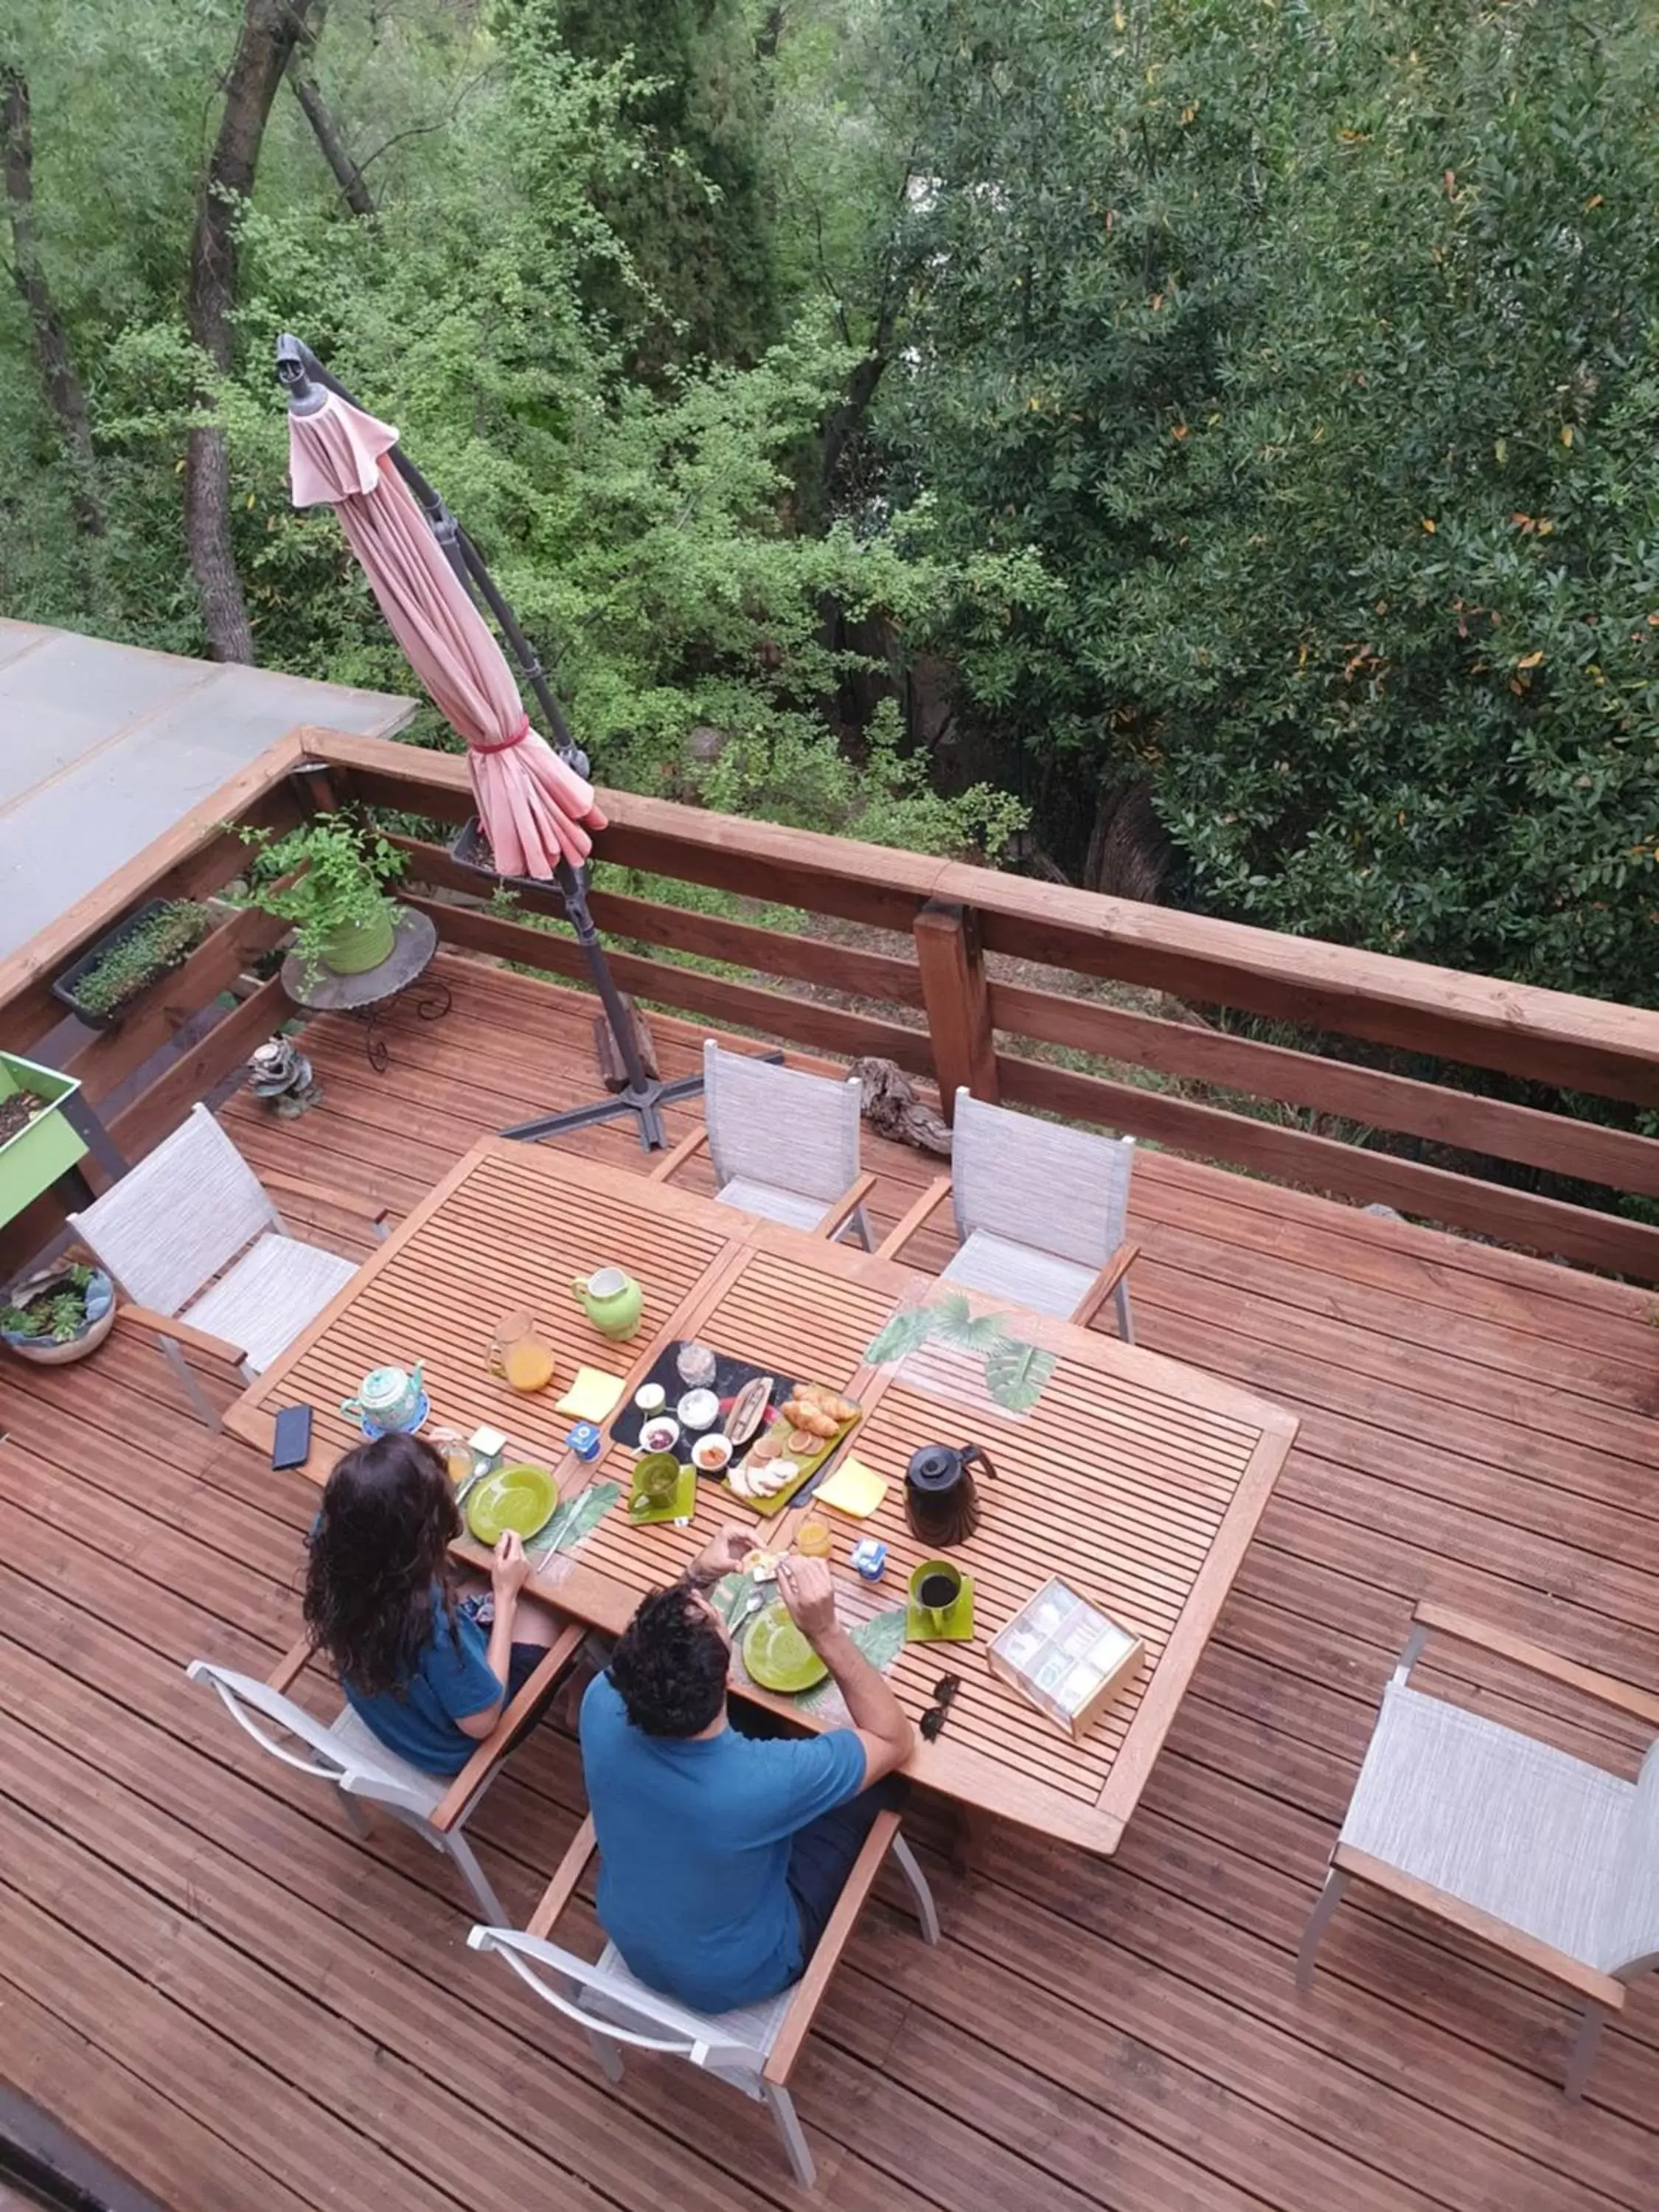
1066, 1656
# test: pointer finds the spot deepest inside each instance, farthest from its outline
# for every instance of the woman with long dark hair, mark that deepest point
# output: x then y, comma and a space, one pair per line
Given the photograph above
382, 1601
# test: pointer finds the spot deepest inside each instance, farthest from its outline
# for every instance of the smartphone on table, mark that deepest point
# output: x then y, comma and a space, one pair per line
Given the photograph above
291, 1446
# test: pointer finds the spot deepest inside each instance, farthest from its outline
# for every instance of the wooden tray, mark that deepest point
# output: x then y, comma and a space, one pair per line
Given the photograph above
808, 1466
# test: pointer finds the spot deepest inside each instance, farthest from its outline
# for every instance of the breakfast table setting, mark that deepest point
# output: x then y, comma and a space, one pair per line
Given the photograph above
1033, 1527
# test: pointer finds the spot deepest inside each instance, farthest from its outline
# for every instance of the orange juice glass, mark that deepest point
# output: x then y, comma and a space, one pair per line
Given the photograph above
813, 1540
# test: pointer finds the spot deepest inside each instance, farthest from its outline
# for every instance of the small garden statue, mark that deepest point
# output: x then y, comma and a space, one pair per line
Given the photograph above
280, 1074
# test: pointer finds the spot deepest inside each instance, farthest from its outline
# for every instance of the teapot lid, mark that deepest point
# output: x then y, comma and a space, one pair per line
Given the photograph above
935, 1467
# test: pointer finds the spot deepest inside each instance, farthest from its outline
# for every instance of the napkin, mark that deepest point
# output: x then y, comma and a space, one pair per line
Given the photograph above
592, 1396
852, 1488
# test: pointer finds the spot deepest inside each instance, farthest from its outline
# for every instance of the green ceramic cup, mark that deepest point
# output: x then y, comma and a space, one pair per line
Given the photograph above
935, 1586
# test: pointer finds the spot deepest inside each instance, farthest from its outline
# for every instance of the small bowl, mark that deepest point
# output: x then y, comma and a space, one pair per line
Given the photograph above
660, 1435
712, 1454
698, 1409
651, 1397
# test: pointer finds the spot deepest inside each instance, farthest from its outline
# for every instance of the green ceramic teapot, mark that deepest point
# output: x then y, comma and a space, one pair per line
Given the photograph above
612, 1301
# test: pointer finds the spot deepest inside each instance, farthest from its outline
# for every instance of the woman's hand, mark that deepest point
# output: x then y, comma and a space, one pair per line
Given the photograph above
509, 1569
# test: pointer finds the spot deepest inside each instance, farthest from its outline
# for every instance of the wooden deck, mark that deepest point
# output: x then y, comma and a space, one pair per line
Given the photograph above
203, 1975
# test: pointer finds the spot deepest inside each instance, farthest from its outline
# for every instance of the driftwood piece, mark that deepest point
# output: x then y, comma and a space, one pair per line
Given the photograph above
892, 1109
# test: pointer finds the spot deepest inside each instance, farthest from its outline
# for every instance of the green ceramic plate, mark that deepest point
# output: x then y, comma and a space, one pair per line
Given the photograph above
778, 1655
520, 1498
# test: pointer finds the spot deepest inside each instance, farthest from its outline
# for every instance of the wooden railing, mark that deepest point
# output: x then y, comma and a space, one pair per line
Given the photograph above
946, 1017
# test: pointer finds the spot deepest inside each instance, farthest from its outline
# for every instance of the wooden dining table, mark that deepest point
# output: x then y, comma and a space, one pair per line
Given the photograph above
1138, 1480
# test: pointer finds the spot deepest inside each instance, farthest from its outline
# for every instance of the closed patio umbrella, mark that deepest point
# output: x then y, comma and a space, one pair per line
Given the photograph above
535, 809
535, 803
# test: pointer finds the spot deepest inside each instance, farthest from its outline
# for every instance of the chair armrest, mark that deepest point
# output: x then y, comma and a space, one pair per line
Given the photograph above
292, 1664
563, 1888
809, 1990
192, 1339
904, 1230
846, 1205
1103, 1285
1559, 1965
672, 1161
472, 1777
324, 1194
1444, 1621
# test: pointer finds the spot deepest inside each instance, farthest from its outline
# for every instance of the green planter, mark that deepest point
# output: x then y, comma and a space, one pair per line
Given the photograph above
33, 1160
357, 946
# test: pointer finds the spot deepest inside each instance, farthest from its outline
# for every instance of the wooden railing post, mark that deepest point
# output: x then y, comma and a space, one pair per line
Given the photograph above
957, 1004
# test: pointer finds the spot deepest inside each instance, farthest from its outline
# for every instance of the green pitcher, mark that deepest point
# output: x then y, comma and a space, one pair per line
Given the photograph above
612, 1301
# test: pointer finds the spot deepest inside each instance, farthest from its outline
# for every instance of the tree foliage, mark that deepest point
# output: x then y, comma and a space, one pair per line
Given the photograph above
1250, 399
1313, 349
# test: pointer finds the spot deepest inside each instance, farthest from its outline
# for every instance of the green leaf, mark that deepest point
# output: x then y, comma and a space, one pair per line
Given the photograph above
881, 1640
576, 1518
1015, 1374
906, 1332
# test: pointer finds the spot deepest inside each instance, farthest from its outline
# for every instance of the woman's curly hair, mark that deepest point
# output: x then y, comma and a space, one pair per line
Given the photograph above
670, 1664
379, 1547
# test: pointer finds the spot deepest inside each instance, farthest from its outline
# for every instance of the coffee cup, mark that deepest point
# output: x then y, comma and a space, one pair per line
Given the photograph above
935, 1586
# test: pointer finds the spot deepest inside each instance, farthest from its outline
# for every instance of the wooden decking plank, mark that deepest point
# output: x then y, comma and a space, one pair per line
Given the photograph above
158, 2144
1412, 2096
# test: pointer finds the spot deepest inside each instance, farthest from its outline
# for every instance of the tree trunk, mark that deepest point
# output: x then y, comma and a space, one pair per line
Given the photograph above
303, 75
270, 29
52, 346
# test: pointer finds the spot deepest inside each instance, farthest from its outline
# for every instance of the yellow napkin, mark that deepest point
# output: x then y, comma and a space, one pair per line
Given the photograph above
852, 1488
592, 1396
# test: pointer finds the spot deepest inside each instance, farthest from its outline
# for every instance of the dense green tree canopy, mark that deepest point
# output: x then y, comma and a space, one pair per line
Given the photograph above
1253, 401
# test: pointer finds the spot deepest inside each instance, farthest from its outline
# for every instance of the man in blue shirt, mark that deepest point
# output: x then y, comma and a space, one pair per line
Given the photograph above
721, 1855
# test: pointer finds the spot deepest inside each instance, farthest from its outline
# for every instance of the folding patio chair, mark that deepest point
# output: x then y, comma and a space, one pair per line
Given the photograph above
347, 1754
754, 2048
785, 1143
202, 1258
1549, 1857
1040, 1213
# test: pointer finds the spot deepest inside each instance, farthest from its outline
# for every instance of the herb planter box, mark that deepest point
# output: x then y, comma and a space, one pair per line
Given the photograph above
108, 1017
33, 1157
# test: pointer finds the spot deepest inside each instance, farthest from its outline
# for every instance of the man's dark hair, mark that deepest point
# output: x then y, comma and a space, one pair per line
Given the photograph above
670, 1664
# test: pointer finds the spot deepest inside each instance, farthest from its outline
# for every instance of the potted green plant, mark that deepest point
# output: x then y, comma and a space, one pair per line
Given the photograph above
38, 1143
126, 960
59, 1314
328, 877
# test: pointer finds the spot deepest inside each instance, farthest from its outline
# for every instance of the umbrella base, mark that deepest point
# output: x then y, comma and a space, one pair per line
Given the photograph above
645, 1101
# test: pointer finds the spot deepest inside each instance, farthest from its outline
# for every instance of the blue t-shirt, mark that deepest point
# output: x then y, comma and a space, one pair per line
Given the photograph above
694, 1848
453, 1680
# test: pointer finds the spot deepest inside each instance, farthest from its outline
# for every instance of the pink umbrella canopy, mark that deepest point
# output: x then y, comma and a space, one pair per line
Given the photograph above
535, 809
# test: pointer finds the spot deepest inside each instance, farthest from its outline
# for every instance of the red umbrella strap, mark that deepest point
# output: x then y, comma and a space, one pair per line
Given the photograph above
507, 744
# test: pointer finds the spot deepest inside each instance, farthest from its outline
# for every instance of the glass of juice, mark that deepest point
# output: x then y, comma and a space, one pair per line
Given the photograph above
814, 1541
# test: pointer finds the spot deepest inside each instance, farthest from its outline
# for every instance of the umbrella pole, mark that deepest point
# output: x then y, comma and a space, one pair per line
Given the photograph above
644, 1096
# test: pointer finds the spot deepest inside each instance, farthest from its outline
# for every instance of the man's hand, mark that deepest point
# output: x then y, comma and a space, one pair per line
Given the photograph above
509, 1569
809, 1592
724, 1552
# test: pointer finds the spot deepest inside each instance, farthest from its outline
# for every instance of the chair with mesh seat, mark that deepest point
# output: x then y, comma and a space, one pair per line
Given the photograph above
754, 2049
201, 1257
784, 1143
1041, 1211
1550, 1858
346, 1753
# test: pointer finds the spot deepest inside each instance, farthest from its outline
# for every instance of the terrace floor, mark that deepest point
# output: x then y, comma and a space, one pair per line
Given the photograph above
203, 1975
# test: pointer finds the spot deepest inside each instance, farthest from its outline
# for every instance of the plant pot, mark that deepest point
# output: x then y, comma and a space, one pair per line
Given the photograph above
32, 1160
42, 1352
357, 946
63, 987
